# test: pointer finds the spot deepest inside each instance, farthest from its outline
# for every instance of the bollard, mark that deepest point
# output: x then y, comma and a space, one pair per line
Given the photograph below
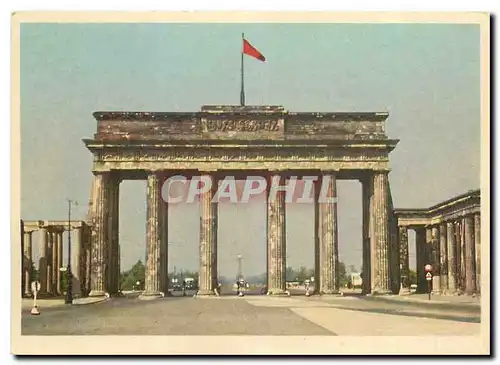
35, 287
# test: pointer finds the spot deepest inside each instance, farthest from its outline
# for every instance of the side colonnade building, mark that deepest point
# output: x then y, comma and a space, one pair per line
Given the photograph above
447, 236
50, 260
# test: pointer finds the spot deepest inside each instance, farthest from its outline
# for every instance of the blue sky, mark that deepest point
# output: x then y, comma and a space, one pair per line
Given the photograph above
425, 75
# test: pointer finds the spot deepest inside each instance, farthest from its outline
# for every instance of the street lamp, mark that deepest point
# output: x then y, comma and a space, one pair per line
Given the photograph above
239, 275
69, 291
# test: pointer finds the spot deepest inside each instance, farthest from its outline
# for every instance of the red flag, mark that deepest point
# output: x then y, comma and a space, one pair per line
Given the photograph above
251, 51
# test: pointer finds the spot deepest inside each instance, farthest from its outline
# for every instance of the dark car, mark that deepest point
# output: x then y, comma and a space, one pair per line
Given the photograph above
177, 287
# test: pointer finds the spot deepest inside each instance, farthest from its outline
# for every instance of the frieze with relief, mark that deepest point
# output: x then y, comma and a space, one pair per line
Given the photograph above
204, 154
340, 128
242, 125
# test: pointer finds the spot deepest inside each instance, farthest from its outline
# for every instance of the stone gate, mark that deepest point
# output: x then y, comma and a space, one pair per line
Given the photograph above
251, 140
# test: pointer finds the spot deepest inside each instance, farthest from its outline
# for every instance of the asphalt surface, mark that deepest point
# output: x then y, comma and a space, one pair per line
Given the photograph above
227, 315
175, 315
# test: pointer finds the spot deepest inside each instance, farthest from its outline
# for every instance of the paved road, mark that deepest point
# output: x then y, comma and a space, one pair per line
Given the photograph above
169, 316
252, 315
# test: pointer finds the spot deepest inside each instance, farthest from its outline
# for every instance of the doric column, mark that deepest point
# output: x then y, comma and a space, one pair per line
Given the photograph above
27, 262
164, 249
50, 263
208, 236
404, 260
459, 230
394, 251
115, 238
317, 235
329, 250
452, 257
420, 242
429, 254
276, 235
153, 236
99, 242
87, 257
381, 281
477, 244
443, 258
367, 191
88, 270
470, 275
76, 252
42, 261
59, 243
435, 260
113, 231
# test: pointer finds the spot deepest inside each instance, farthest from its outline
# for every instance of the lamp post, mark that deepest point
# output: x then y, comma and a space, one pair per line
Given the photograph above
69, 291
239, 275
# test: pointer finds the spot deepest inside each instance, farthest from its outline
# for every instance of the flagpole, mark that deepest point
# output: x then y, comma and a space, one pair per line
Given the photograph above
242, 92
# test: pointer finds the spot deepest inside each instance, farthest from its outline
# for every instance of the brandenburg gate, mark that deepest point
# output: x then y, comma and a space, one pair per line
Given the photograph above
239, 141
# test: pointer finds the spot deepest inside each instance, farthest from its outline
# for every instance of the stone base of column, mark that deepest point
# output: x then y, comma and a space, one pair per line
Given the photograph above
278, 292
404, 291
380, 292
331, 293
95, 293
150, 296
205, 293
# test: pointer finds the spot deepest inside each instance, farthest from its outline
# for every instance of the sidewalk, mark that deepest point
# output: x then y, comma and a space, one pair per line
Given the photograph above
452, 301
464, 299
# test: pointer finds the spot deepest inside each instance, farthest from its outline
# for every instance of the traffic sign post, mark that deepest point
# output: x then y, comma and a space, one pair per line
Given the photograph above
428, 277
35, 288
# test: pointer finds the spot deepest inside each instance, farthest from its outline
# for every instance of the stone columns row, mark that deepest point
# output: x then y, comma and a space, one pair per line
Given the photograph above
453, 250
105, 248
50, 261
378, 251
463, 256
326, 238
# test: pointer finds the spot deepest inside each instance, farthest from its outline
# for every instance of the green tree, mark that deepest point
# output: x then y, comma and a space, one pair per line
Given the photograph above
64, 282
128, 279
290, 274
302, 274
413, 276
342, 274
